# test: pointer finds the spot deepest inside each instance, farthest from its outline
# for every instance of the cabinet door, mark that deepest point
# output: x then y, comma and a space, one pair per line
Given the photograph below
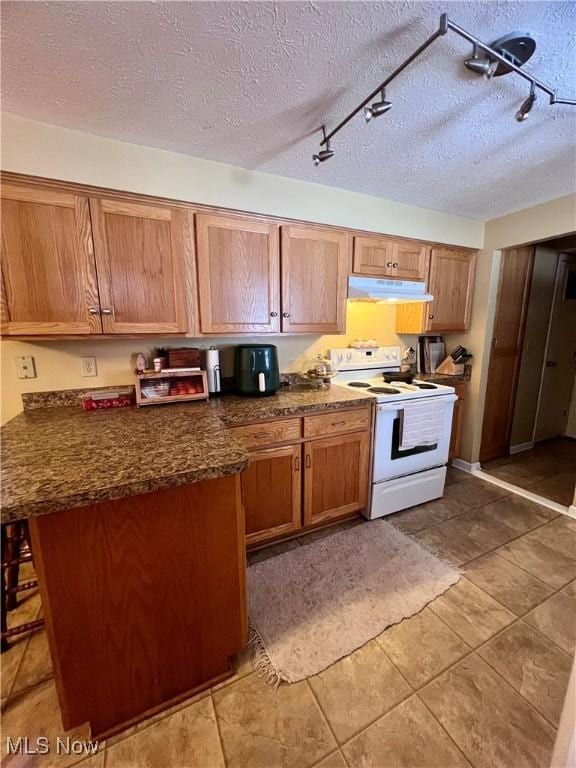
451, 283
315, 266
373, 256
457, 422
271, 490
238, 275
48, 271
143, 255
335, 476
410, 261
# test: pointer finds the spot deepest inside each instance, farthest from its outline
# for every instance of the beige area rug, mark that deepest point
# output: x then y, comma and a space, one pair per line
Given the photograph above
319, 602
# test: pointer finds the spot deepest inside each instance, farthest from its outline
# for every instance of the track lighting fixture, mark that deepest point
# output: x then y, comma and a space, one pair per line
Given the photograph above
378, 107
526, 105
481, 66
507, 54
323, 154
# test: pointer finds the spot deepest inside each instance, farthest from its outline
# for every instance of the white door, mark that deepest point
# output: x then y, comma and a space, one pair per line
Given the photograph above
560, 358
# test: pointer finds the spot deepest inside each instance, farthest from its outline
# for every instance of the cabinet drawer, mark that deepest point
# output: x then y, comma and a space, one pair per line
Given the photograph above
257, 435
333, 423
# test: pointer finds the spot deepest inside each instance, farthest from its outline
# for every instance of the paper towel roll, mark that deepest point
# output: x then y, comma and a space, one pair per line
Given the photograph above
213, 369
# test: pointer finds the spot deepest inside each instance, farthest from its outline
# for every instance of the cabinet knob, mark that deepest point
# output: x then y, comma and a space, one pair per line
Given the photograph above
94, 310
285, 314
388, 263
107, 311
430, 317
273, 314
395, 264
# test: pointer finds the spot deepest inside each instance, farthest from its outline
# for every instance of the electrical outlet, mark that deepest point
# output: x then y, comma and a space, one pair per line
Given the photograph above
25, 368
88, 366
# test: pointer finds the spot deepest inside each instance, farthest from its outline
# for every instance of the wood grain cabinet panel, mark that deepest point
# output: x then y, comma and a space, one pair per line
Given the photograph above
48, 271
336, 476
339, 421
388, 257
258, 435
271, 493
451, 282
457, 422
238, 275
143, 255
315, 266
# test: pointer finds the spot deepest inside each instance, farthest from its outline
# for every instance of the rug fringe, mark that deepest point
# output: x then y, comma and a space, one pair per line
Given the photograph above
262, 664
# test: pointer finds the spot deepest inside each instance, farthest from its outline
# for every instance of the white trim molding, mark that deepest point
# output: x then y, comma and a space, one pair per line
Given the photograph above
521, 447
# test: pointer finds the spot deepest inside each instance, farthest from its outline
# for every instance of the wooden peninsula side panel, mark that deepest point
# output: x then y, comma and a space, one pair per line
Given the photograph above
144, 599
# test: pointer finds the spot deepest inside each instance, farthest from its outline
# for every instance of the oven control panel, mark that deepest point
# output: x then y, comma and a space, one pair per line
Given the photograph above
349, 358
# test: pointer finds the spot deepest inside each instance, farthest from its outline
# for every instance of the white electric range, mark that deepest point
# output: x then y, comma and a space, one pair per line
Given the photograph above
400, 478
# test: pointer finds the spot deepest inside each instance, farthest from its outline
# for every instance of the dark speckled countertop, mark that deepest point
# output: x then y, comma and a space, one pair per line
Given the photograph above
62, 457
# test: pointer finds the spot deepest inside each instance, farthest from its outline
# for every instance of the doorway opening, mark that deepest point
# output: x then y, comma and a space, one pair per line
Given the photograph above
529, 427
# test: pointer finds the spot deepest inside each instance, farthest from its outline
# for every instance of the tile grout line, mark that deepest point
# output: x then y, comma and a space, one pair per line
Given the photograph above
325, 718
448, 734
219, 732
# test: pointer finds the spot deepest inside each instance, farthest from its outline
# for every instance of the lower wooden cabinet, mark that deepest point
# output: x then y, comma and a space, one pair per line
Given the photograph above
457, 422
335, 476
311, 480
271, 493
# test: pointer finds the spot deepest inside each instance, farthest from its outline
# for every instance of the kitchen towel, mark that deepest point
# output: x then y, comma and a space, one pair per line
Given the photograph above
422, 423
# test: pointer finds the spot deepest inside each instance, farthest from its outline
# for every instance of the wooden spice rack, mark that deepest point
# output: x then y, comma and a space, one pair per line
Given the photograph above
195, 378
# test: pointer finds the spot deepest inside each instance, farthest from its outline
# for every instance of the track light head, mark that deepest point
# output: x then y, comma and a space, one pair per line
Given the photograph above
323, 155
486, 67
378, 108
526, 106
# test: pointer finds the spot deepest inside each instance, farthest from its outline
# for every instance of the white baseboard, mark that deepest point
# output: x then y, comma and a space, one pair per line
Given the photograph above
559, 508
521, 447
466, 466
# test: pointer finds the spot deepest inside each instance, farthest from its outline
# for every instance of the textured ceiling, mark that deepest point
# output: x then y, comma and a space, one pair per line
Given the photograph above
249, 83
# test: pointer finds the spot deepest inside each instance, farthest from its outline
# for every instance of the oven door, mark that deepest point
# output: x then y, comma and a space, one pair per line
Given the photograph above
389, 460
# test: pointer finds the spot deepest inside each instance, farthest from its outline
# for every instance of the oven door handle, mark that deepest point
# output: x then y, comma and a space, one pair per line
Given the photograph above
399, 406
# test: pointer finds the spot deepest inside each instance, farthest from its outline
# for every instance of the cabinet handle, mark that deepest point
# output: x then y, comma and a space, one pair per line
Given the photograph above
308, 461
107, 311
338, 423
273, 314
297, 464
261, 435
94, 310
388, 263
395, 264
285, 314
430, 317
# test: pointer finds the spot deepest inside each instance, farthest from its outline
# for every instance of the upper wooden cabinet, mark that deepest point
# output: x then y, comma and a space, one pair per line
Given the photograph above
451, 282
315, 266
238, 275
48, 271
144, 259
387, 257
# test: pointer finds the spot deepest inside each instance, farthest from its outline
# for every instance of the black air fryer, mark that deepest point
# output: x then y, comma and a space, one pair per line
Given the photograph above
256, 369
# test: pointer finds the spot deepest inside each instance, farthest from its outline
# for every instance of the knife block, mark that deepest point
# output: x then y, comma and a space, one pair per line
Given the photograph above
450, 368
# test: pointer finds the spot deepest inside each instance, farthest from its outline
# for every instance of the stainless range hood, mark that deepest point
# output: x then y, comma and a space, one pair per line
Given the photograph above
381, 289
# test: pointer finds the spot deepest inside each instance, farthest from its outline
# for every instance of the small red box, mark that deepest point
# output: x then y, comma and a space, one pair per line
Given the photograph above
96, 401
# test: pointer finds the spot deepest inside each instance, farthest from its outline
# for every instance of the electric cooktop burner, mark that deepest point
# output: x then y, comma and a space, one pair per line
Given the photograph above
384, 390
358, 384
423, 385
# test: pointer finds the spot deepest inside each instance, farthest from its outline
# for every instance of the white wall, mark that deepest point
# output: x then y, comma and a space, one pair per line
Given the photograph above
58, 362
47, 150
531, 225
44, 150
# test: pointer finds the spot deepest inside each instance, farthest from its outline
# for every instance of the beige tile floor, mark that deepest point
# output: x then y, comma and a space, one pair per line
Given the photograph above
477, 678
548, 469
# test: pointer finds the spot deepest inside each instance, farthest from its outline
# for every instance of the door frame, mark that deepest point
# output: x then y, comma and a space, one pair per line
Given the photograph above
571, 257
519, 346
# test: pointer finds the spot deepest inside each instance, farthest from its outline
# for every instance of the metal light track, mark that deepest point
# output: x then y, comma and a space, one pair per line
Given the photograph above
445, 25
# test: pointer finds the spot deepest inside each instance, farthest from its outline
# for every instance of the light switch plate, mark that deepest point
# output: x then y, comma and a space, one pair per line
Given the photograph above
25, 368
88, 366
